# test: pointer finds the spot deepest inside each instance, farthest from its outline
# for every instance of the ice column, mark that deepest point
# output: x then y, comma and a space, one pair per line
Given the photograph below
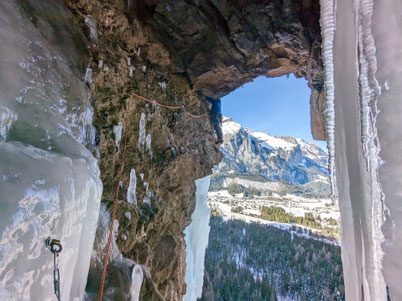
49, 180
196, 237
327, 22
387, 34
361, 199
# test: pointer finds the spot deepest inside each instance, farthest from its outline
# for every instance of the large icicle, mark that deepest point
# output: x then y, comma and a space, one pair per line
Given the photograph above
197, 241
357, 148
387, 34
328, 34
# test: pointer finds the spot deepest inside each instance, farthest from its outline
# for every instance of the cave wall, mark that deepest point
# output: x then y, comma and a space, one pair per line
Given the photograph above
175, 52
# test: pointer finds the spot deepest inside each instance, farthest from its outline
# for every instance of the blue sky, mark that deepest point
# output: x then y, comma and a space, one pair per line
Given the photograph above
279, 106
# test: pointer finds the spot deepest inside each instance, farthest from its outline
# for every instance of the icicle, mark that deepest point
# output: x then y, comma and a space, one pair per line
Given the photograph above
368, 96
148, 142
141, 138
196, 237
137, 279
131, 71
132, 187
327, 22
91, 23
117, 130
88, 76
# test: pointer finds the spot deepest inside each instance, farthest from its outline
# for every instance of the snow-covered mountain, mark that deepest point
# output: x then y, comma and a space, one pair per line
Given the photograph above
282, 159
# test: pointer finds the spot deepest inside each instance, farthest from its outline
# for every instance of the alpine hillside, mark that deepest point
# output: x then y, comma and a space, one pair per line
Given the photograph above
283, 164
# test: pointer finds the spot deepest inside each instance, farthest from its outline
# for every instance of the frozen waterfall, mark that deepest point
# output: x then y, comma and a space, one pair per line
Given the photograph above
197, 241
367, 60
49, 180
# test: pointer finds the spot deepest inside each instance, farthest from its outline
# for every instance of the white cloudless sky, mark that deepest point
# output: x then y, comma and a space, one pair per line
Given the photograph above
278, 106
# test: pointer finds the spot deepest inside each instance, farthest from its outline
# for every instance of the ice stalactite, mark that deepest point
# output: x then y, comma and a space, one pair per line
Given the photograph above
132, 187
328, 34
196, 237
91, 23
136, 282
361, 199
141, 137
368, 97
117, 130
49, 180
148, 143
88, 76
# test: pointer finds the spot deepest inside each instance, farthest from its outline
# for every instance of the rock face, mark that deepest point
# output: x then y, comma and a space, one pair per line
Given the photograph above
175, 52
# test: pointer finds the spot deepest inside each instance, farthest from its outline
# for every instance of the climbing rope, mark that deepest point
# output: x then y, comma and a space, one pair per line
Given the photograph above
168, 107
55, 247
114, 212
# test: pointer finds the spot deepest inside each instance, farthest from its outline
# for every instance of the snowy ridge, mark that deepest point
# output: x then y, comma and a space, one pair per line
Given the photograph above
284, 159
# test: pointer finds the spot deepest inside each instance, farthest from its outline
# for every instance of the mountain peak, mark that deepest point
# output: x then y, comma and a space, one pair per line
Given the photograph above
285, 159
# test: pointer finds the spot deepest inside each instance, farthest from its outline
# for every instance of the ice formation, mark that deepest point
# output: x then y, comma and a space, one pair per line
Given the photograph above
196, 237
49, 180
141, 137
131, 71
117, 130
136, 281
328, 34
88, 76
148, 143
132, 187
91, 23
119, 282
366, 116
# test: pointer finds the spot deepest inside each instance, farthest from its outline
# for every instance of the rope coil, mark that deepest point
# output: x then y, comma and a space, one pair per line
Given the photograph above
154, 102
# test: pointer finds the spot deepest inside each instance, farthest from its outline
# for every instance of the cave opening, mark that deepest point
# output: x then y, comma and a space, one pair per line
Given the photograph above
279, 106
272, 188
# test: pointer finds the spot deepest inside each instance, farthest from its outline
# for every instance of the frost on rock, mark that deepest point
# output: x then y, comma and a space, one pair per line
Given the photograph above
117, 130
43, 106
141, 138
132, 187
196, 237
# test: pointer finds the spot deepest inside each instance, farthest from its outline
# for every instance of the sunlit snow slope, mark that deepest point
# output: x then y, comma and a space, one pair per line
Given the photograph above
49, 180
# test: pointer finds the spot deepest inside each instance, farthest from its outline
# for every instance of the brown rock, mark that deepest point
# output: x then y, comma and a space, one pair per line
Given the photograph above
204, 47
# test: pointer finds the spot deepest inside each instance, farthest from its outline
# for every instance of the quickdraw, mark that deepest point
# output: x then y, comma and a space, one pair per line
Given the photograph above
55, 247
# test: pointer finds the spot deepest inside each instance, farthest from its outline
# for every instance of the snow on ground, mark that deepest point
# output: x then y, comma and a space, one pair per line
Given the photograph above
223, 202
301, 231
